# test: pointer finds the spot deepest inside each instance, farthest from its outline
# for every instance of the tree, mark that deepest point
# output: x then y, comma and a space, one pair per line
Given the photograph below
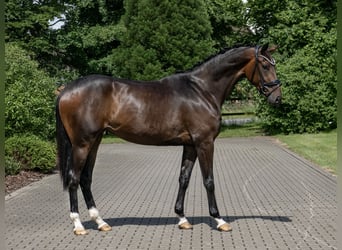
28, 23
90, 32
261, 15
162, 37
229, 23
299, 23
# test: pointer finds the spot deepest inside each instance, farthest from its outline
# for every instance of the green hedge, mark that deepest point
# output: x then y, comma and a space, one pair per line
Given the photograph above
309, 93
12, 167
29, 96
30, 153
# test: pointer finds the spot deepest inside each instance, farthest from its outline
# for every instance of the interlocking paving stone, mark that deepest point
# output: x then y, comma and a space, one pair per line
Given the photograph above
272, 198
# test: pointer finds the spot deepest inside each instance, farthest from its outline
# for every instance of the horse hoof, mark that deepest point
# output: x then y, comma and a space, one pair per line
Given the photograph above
225, 228
185, 225
105, 228
80, 231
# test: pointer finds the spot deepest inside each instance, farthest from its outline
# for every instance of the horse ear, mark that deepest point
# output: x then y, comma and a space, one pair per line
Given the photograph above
272, 49
264, 47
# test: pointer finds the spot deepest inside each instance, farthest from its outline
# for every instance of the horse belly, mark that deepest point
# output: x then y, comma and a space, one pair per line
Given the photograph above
147, 133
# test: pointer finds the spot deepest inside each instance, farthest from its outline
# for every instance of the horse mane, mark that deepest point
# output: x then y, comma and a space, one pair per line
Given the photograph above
220, 52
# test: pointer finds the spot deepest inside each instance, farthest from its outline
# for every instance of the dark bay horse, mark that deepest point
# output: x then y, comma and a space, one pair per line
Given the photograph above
181, 109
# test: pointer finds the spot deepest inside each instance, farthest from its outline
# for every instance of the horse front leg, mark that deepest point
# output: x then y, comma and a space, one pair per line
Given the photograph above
188, 160
205, 152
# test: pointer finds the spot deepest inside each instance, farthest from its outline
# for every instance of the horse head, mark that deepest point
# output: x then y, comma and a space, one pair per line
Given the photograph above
261, 73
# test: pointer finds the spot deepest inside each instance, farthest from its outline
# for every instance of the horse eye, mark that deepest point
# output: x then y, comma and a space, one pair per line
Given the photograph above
265, 66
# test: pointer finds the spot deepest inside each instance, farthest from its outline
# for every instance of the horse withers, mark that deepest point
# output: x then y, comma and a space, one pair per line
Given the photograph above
136, 111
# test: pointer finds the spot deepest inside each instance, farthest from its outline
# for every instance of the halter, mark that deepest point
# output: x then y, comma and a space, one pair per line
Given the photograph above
264, 85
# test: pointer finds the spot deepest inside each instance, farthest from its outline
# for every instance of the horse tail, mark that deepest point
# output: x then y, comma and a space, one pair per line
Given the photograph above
64, 149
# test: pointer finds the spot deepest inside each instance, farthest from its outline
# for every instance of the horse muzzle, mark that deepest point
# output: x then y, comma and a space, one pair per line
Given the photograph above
274, 101
272, 91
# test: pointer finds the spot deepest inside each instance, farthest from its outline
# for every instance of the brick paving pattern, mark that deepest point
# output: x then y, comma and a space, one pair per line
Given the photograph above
272, 198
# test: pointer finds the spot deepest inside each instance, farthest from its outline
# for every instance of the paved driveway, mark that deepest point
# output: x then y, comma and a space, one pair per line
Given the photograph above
272, 198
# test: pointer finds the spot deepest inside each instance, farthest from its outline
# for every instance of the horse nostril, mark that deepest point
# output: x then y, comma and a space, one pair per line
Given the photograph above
278, 100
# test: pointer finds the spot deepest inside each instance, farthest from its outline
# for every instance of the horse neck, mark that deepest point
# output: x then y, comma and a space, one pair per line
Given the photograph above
219, 75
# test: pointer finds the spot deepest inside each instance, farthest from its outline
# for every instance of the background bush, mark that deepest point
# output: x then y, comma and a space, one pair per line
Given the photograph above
309, 96
12, 167
306, 65
29, 96
30, 152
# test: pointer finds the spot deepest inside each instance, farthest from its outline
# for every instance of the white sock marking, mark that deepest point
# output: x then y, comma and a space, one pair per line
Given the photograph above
75, 217
94, 215
182, 220
220, 222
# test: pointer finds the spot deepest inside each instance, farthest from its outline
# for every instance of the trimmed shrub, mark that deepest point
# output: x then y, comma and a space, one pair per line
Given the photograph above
309, 94
31, 153
29, 96
12, 167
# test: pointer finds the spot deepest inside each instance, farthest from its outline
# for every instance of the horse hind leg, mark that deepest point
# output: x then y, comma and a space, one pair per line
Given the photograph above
70, 162
79, 156
85, 183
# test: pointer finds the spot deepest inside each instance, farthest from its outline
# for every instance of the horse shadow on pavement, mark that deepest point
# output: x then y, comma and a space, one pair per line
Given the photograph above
194, 220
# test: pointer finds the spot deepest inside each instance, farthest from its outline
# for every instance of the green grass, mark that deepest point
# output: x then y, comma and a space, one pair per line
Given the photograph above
246, 130
319, 148
108, 139
243, 106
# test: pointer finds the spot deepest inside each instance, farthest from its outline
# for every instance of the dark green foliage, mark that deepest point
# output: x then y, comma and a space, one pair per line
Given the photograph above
28, 23
29, 96
31, 153
262, 15
229, 23
309, 91
162, 37
91, 31
306, 34
300, 24
12, 167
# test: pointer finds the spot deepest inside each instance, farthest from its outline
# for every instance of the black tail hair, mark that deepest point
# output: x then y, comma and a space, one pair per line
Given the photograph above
64, 149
